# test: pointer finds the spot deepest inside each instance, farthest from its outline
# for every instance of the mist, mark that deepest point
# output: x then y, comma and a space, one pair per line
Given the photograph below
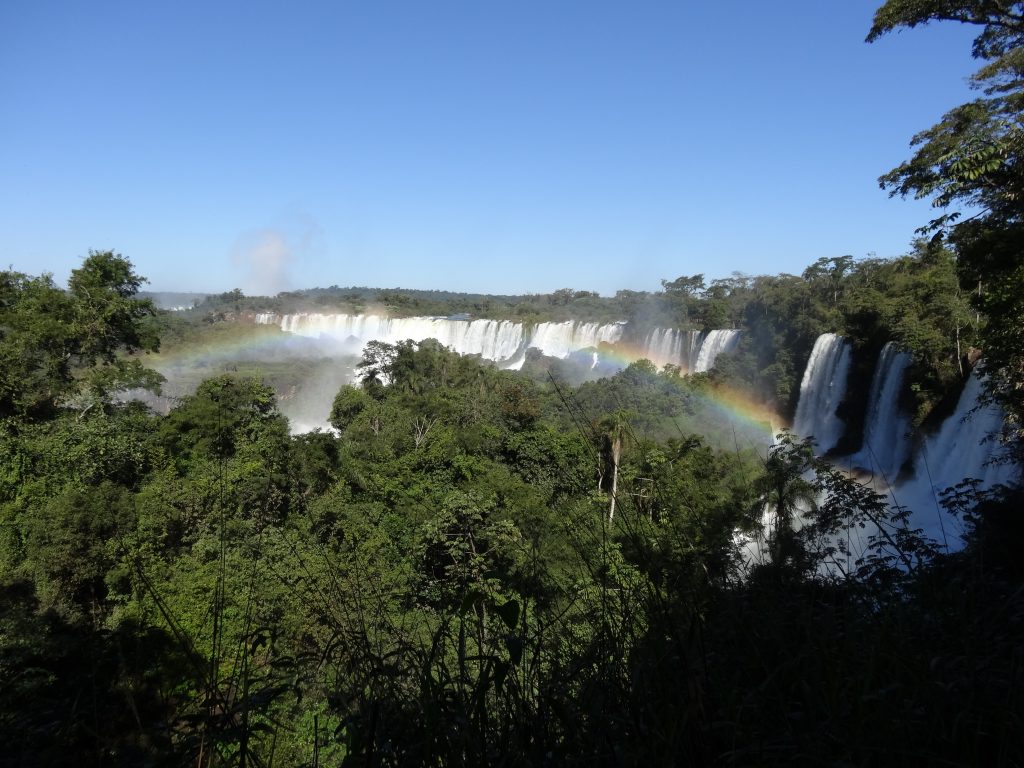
266, 258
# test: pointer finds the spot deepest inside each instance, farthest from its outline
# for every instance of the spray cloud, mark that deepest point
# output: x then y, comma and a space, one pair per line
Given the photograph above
266, 256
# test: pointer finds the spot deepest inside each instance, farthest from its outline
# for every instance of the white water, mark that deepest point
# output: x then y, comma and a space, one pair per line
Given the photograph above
490, 339
886, 427
960, 449
501, 341
713, 345
822, 389
562, 339
506, 342
667, 346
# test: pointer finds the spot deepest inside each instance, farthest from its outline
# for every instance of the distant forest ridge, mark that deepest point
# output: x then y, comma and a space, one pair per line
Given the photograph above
667, 307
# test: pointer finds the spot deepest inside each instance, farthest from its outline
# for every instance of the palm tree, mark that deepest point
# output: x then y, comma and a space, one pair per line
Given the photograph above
613, 430
786, 490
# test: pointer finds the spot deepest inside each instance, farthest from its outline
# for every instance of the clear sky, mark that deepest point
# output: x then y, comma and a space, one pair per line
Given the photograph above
487, 146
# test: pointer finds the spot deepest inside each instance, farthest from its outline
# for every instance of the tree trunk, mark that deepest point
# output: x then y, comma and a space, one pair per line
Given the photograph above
616, 451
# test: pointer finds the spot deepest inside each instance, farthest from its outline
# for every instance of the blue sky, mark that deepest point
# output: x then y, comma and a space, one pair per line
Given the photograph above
498, 147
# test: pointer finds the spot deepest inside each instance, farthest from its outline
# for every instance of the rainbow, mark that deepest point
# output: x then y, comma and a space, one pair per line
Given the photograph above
232, 343
724, 402
257, 343
738, 408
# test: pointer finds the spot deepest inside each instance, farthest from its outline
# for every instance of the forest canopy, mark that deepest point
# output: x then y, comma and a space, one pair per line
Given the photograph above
476, 566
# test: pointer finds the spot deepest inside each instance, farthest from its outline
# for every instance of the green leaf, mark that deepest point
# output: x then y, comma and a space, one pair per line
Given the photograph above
509, 613
515, 648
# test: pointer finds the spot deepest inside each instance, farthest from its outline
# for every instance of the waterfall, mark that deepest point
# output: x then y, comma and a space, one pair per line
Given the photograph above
501, 341
562, 339
886, 445
960, 449
822, 389
506, 341
667, 346
714, 344
491, 339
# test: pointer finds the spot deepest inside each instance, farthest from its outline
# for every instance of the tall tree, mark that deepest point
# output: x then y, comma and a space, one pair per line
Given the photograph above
55, 344
971, 162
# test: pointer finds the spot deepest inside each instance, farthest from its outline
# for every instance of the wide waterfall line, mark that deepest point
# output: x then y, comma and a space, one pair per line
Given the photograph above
506, 341
491, 339
822, 390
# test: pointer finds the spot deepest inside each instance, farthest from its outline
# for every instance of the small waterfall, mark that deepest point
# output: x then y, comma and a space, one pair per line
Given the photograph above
667, 346
661, 347
714, 344
886, 445
562, 339
959, 450
822, 389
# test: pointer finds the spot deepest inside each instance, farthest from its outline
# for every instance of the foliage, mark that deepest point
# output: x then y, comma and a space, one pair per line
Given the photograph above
970, 163
56, 344
440, 580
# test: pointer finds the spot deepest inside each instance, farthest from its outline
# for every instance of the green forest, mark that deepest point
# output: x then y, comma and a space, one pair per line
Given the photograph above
481, 567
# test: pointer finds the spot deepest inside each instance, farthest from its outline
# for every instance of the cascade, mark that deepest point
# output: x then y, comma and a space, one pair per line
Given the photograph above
506, 341
965, 446
667, 346
491, 339
886, 445
822, 389
960, 449
502, 341
562, 339
714, 344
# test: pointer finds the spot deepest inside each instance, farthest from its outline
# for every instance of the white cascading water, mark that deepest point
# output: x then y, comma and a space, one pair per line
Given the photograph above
491, 339
886, 427
962, 448
505, 341
562, 339
667, 346
501, 341
713, 345
822, 389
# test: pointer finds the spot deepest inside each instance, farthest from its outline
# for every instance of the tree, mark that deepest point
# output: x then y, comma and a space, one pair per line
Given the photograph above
784, 491
55, 345
971, 160
36, 342
348, 404
107, 314
688, 286
224, 413
562, 296
612, 431
829, 273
